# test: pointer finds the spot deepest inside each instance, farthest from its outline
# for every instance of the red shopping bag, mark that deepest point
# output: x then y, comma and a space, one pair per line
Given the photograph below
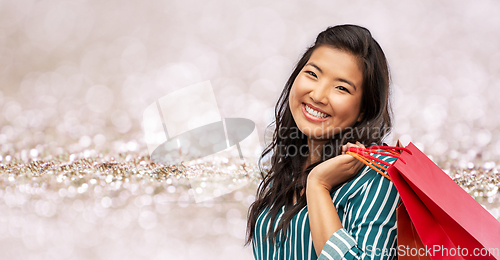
448, 221
409, 243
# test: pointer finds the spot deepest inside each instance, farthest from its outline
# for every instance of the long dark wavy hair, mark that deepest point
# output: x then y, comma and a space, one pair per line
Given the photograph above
285, 178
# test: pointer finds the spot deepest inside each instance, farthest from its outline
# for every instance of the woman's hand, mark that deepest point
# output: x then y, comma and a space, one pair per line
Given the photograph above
323, 217
336, 170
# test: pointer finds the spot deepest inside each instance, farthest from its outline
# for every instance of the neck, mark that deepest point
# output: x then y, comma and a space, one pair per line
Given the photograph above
315, 150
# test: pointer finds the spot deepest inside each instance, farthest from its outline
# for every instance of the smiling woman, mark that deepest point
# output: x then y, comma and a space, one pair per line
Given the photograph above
323, 203
324, 98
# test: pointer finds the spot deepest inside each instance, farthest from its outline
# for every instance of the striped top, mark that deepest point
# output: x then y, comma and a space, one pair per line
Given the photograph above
366, 206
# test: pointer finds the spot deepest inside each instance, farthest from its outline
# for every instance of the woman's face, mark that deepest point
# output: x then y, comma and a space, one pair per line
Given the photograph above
325, 97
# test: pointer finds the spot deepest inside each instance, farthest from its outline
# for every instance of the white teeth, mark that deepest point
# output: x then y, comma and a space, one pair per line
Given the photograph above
315, 113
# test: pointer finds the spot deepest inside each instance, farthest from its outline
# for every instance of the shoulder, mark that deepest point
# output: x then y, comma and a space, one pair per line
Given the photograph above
367, 173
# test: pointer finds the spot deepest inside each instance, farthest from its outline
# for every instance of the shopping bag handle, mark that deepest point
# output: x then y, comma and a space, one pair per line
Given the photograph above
390, 149
387, 150
370, 164
362, 155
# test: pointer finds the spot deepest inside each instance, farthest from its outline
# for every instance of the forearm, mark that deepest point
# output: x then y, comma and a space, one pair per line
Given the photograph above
323, 217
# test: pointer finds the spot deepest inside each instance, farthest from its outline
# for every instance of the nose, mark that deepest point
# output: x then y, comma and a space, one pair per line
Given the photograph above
319, 94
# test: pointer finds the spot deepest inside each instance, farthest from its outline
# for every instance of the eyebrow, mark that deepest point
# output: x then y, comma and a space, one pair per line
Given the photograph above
339, 79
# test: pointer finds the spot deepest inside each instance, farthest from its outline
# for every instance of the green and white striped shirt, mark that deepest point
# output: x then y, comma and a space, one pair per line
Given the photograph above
366, 207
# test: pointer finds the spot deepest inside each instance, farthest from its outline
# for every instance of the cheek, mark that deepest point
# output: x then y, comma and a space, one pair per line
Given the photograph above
294, 93
301, 80
350, 109
300, 84
291, 98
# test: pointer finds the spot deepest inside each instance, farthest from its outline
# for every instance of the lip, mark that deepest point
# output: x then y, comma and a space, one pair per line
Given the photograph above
315, 108
310, 117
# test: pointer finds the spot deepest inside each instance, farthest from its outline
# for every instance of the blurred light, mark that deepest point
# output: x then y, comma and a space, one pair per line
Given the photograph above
76, 77
99, 98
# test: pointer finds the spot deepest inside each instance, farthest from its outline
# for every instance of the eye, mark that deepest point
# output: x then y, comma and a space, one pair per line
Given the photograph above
343, 89
311, 73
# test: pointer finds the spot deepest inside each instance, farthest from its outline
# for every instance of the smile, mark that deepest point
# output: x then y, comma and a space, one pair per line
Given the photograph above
315, 113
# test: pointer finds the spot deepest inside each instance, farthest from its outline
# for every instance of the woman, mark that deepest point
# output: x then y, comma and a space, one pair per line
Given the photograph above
316, 201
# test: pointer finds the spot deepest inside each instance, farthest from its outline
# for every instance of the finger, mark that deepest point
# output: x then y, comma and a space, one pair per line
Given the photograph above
360, 144
344, 148
349, 145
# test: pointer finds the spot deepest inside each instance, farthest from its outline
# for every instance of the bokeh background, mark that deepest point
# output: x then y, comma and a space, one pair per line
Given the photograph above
76, 76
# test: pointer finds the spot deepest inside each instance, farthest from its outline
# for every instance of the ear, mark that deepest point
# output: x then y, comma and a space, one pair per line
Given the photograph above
360, 117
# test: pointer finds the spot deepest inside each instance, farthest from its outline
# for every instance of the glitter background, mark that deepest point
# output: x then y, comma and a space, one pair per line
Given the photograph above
76, 76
